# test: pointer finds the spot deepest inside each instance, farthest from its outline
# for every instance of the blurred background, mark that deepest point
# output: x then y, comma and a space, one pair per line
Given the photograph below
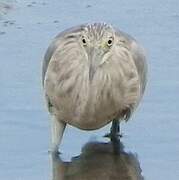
26, 29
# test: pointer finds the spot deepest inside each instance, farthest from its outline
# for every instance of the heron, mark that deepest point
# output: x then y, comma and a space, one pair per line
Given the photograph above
92, 74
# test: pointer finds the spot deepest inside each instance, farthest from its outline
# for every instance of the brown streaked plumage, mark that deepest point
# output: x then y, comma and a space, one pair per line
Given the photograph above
92, 74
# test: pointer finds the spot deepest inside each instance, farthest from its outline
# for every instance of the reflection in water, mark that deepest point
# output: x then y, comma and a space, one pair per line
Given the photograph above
97, 162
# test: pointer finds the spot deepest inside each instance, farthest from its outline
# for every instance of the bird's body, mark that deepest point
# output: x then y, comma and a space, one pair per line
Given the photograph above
93, 74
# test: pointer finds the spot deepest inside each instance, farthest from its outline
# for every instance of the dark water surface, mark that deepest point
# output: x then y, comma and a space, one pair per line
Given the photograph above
151, 138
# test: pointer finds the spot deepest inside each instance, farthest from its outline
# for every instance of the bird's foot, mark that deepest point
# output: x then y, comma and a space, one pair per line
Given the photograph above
113, 136
115, 140
54, 150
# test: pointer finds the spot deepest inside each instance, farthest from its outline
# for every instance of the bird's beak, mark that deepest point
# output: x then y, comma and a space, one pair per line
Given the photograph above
95, 56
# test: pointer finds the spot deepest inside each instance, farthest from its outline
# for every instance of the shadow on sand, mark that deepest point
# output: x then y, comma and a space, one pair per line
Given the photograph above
98, 162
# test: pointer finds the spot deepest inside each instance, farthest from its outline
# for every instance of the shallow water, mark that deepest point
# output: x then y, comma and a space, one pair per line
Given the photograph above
151, 138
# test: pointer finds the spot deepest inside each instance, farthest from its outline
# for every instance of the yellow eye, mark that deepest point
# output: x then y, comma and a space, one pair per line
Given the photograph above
110, 42
84, 41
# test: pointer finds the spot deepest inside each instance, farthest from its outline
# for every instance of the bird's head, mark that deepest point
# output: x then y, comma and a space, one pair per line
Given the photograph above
97, 41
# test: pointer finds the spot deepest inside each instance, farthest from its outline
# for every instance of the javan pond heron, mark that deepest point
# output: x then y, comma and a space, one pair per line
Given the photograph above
92, 74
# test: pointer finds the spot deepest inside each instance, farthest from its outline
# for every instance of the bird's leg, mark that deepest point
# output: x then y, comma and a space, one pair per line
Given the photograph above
57, 129
114, 131
115, 136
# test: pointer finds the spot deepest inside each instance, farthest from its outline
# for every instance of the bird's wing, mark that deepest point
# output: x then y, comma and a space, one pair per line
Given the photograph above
48, 55
138, 55
54, 45
51, 50
139, 58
